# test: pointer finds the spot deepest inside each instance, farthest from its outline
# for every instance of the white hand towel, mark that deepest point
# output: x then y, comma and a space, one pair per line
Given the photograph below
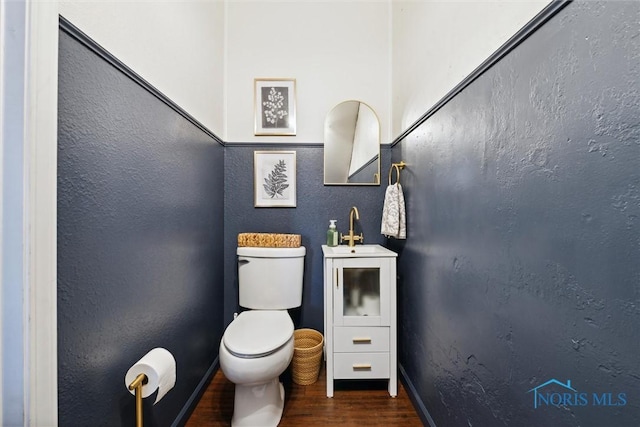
394, 223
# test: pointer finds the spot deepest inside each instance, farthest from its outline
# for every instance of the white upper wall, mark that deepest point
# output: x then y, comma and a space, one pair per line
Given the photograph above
177, 46
398, 56
436, 44
336, 51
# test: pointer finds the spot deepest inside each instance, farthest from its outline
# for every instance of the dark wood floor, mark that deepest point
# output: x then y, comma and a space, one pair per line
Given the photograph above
362, 403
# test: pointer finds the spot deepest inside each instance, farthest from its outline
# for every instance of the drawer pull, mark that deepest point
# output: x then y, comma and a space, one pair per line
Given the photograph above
361, 367
362, 340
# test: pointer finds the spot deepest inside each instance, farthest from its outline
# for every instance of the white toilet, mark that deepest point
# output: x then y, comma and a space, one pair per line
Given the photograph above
257, 346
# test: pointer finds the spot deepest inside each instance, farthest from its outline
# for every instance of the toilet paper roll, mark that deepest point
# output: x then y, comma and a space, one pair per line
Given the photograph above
160, 368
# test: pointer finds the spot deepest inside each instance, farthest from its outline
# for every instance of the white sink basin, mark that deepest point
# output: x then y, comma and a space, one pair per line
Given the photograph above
344, 251
355, 249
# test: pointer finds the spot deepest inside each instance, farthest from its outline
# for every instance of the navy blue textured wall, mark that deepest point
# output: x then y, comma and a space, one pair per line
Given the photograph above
523, 258
316, 205
140, 206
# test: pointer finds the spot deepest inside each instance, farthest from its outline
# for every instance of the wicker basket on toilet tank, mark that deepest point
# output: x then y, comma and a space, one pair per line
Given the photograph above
269, 240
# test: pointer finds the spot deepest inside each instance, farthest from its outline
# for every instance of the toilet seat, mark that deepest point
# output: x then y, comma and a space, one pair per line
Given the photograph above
257, 333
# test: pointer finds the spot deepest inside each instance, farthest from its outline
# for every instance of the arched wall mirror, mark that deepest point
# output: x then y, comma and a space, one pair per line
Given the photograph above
352, 145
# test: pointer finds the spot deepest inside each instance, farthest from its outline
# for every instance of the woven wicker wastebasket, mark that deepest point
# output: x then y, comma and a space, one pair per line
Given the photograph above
307, 354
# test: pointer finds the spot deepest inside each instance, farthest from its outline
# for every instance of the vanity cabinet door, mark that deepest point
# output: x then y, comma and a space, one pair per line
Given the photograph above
361, 293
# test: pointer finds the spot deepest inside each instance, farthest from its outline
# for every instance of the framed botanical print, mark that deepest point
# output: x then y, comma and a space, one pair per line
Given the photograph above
274, 178
275, 106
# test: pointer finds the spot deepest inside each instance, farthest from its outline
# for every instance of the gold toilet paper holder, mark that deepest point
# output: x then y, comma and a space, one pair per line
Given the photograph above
137, 385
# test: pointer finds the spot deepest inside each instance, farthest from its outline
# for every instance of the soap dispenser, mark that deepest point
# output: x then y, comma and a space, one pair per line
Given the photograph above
332, 233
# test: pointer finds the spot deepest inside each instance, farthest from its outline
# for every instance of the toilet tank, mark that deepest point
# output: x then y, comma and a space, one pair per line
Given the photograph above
270, 278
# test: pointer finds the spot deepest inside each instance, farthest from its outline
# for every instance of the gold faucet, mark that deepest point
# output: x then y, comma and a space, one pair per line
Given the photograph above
352, 238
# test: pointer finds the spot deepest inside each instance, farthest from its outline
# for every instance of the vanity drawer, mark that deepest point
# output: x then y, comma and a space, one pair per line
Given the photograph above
360, 339
360, 365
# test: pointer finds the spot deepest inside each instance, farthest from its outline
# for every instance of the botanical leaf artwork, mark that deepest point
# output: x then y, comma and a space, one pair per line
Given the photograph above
276, 182
275, 108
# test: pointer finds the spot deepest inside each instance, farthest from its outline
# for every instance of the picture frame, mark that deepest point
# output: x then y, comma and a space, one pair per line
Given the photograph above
274, 179
275, 106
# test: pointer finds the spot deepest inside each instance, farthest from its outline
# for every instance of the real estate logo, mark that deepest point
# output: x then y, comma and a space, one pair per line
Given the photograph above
556, 393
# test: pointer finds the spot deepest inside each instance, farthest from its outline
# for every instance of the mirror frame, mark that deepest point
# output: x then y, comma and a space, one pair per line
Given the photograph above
326, 153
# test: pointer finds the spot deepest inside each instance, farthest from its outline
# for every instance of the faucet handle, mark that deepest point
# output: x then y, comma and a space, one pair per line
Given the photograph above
347, 238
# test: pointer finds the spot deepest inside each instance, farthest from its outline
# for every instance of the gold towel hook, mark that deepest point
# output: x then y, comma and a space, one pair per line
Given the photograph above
397, 167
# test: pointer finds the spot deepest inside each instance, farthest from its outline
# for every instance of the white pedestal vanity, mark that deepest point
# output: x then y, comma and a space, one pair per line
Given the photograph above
360, 314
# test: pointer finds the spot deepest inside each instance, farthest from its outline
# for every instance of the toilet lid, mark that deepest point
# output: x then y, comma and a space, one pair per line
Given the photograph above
257, 332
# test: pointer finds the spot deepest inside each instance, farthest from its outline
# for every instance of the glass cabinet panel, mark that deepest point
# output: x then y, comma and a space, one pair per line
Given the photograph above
361, 291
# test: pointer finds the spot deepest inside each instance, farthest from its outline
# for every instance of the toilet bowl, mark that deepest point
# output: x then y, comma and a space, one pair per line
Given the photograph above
255, 349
